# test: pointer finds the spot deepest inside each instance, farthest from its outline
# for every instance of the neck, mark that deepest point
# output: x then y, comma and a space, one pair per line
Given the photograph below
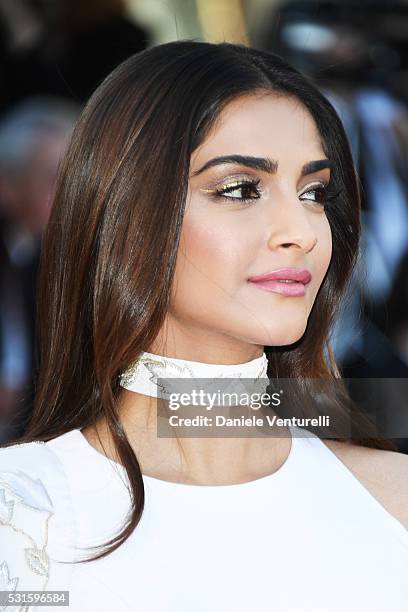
204, 347
195, 460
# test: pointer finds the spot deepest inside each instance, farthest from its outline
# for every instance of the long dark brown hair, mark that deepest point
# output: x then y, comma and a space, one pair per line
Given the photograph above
110, 247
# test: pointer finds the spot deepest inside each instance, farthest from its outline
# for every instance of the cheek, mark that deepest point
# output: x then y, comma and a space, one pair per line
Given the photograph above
322, 254
213, 253
211, 264
326, 245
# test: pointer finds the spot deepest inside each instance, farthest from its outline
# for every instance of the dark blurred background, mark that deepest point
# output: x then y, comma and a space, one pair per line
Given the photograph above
54, 53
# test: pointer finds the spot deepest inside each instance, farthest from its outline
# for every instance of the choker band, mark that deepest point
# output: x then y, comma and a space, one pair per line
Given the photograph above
141, 376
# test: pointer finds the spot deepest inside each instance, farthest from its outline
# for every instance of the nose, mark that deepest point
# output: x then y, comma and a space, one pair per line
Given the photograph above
290, 226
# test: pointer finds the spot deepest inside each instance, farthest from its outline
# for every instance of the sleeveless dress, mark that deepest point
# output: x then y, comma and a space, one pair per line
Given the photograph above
307, 538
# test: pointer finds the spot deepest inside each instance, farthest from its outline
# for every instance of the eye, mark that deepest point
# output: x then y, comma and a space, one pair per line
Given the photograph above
247, 189
322, 194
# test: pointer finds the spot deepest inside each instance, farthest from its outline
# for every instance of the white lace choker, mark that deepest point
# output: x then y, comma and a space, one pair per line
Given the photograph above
142, 375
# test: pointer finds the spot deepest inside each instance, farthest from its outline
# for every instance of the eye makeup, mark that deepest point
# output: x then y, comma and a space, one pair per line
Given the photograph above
326, 194
247, 187
250, 192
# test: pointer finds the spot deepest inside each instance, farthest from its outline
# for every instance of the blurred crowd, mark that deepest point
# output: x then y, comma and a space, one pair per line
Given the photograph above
53, 53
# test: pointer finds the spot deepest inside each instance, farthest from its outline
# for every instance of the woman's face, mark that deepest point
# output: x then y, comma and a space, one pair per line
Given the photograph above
243, 221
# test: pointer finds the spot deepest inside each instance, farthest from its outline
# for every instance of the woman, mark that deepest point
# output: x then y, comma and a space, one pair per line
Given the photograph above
195, 171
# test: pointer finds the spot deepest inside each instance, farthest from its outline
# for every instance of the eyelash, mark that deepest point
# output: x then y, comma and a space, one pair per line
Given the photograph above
329, 196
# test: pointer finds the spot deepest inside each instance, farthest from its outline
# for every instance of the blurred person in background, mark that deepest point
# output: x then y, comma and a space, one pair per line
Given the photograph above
33, 138
78, 44
396, 330
397, 310
355, 58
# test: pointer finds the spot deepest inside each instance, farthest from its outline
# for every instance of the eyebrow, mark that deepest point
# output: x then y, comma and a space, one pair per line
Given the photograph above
262, 163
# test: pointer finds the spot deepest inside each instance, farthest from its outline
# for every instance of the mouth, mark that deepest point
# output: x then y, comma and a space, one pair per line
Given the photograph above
290, 282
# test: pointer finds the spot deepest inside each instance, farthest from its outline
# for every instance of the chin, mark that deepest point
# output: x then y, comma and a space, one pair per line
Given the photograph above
284, 335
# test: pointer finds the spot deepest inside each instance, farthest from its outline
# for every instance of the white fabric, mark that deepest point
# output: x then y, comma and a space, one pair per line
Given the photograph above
307, 538
142, 377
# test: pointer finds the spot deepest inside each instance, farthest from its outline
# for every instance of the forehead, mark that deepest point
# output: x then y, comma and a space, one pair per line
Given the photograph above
267, 125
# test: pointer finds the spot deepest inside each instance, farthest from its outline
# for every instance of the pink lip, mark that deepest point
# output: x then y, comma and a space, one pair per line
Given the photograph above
270, 281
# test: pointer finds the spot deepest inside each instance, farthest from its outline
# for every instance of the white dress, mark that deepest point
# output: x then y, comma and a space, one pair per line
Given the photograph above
307, 538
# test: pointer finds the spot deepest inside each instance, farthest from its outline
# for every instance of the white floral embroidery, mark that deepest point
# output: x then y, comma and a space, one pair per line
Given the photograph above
6, 583
31, 493
17, 488
37, 560
6, 507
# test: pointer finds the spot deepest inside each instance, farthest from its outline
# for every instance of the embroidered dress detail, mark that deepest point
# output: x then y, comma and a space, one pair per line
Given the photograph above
28, 498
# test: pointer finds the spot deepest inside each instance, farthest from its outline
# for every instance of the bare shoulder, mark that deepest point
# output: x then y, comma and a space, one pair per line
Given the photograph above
383, 473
